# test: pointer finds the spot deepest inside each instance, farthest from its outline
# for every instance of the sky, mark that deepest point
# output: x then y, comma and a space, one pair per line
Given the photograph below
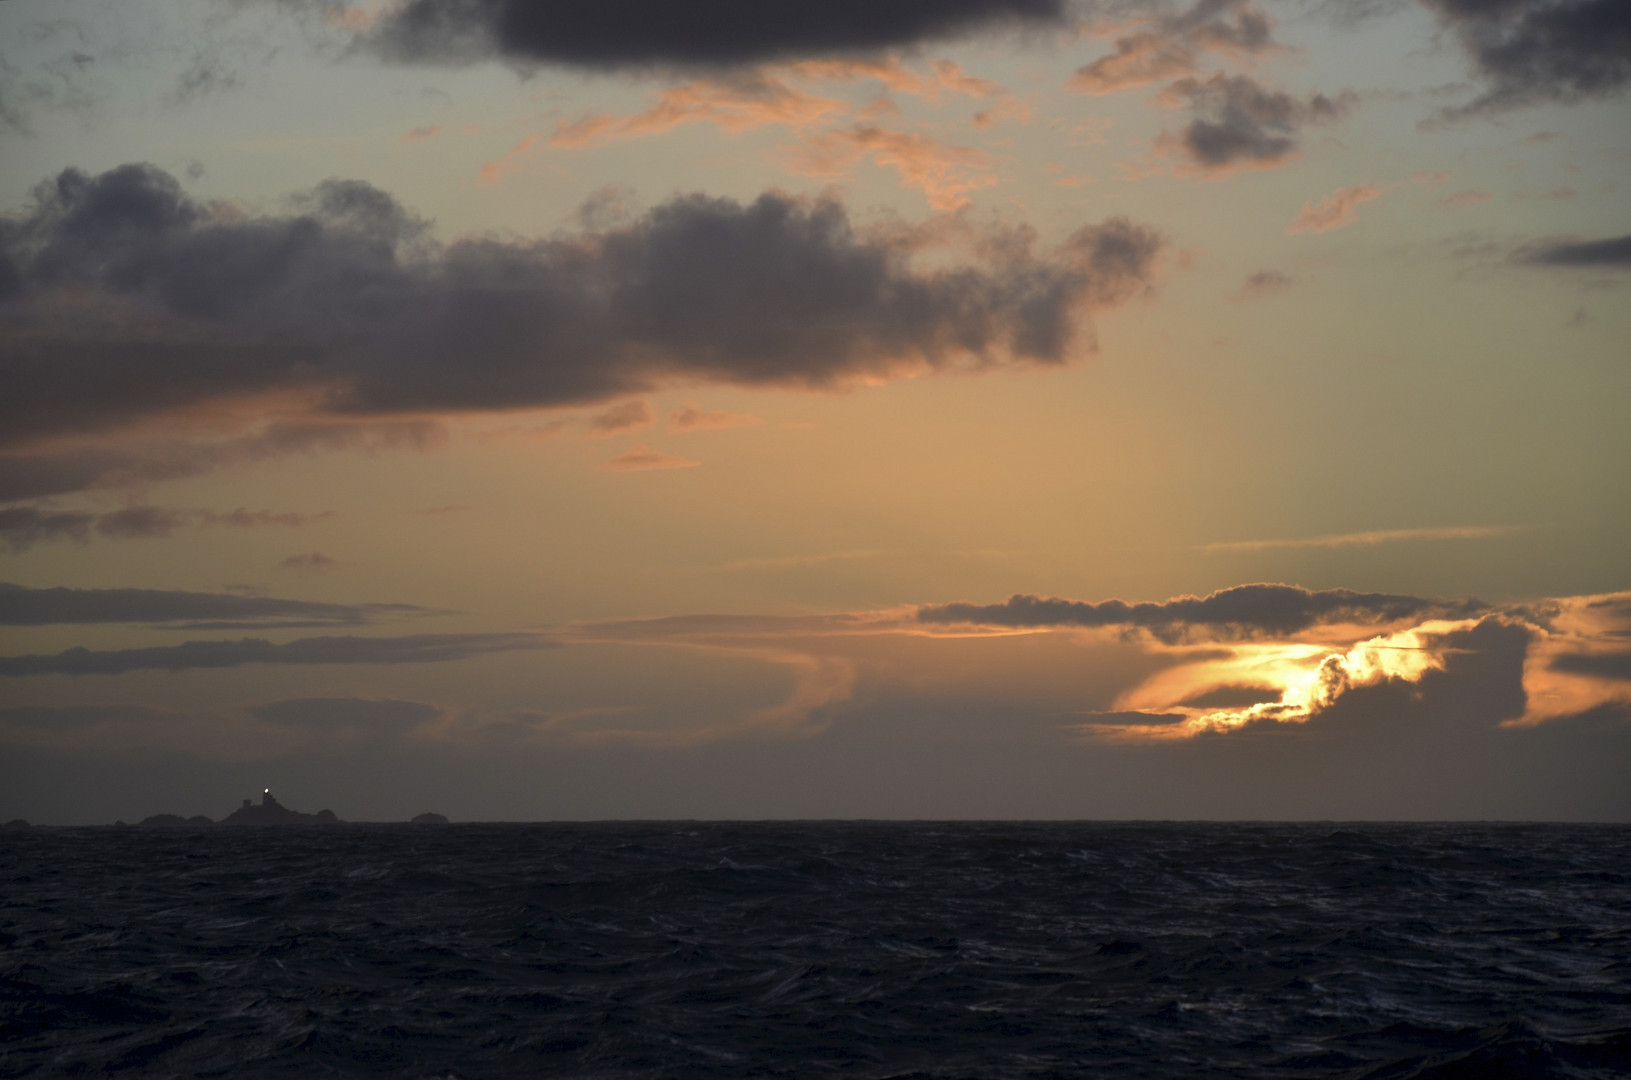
1206, 409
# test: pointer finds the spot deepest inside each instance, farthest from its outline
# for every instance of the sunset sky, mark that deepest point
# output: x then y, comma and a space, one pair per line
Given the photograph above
902, 408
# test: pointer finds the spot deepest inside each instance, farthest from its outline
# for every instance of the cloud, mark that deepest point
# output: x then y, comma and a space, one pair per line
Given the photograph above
1170, 46
1530, 51
1602, 665
21, 605
148, 460
21, 527
1239, 124
1370, 538
1611, 254
314, 560
791, 562
1263, 283
1337, 210
1456, 200
121, 299
410, 649
1245, 611
658, 34
735, 103
643, 459
944, 173
692, 418
629, 416
1312, 679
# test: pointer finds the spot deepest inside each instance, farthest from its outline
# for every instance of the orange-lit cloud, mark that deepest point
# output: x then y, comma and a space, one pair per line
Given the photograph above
512, 160
643, 459
734, 104
1335, 211
1173, 46
946, 174
945, 75
1580, 658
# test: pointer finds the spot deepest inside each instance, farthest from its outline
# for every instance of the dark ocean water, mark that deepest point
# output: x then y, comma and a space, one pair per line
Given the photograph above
860, 950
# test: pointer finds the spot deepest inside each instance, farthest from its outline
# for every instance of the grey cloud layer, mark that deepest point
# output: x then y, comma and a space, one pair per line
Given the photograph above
1613, 253
659, 33
1246, 610
23, 527
121, 297
24, 606
1238, 122
410, 649
33, 476
1542, 50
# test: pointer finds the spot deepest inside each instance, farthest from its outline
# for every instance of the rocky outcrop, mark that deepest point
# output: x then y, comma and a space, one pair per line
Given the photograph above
429, 819
271, 812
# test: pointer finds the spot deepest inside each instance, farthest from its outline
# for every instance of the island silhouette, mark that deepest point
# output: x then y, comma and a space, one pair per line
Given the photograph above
266, 812
272, 812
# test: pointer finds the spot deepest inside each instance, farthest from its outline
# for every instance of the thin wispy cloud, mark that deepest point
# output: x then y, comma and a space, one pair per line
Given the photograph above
645, 459
1370, 538
793, 562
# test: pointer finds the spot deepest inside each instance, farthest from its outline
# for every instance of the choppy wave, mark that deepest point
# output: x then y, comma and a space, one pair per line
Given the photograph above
862, 950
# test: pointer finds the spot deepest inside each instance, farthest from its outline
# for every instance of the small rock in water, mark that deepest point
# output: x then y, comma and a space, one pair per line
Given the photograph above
429, 819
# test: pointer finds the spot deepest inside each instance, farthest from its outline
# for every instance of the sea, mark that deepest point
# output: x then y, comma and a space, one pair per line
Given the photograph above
818, 949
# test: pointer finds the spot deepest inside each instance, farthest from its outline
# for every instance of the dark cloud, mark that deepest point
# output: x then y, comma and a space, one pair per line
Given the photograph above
411, 649
1541, 50
701, 33
33, 476
1232, 697
1243, 611
23, 606
126, 298
21, 527
1238, 122
1264, 283
1601, 665
1611, 254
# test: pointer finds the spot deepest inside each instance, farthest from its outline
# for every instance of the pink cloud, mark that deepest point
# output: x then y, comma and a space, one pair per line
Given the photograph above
1337, 210
512, 161
734, 105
